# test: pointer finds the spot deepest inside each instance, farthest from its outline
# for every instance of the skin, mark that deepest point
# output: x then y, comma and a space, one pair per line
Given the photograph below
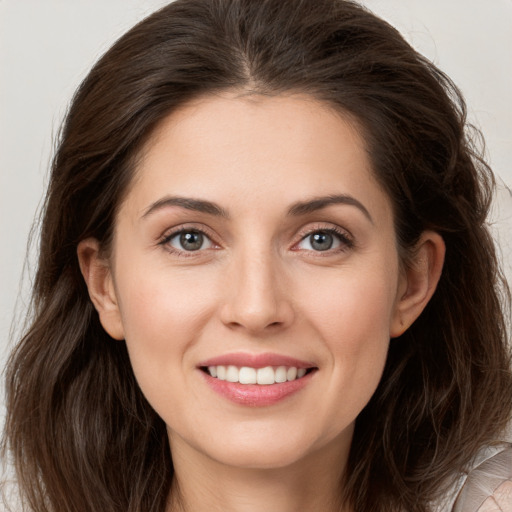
258, 286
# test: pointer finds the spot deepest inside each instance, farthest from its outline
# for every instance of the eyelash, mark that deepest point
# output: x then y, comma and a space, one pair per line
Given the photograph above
346, 241
166, 239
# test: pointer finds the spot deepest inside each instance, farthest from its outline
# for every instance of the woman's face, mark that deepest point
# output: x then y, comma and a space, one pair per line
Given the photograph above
254, 235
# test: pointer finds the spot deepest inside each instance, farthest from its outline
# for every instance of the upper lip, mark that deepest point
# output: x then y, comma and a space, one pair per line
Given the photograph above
241, 359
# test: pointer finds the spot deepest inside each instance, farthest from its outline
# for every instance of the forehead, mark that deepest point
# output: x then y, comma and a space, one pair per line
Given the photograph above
257, 149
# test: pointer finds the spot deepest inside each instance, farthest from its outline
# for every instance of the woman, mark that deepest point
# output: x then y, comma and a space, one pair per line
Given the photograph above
264, 252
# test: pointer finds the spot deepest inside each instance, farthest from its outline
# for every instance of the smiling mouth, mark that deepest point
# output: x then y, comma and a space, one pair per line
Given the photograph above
263, 376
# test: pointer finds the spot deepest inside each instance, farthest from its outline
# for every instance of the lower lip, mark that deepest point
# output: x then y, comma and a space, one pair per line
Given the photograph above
256, 395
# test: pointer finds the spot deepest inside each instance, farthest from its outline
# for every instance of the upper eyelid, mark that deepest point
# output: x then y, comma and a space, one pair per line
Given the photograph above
344, 236
169, 234
324, 226
172, 232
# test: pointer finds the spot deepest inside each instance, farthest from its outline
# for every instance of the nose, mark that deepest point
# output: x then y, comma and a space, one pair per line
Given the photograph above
257, 296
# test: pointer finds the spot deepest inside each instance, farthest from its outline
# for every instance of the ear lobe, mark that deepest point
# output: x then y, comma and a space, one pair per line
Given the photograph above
98, 277
419, 281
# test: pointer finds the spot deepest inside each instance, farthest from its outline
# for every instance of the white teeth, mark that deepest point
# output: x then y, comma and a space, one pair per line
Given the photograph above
281, 374
247, 375
264, 376
291, 374
221, 372
232, 374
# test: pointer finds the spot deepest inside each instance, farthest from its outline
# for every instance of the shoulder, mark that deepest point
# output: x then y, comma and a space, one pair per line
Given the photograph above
501, 499
485, 487
488, 486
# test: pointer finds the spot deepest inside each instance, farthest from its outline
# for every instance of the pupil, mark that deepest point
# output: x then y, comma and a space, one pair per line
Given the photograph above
191, 241
322, 241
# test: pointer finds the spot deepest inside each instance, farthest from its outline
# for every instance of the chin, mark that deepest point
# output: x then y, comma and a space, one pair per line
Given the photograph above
257, 458
265, 449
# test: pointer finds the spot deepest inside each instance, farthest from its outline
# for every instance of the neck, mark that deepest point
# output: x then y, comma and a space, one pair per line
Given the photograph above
202, 484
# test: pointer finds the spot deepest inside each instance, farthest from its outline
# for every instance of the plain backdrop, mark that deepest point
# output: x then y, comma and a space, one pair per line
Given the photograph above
47, 47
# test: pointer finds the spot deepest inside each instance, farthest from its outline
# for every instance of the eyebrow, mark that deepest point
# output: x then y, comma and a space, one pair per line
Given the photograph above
296, 210
318, 203
198, 205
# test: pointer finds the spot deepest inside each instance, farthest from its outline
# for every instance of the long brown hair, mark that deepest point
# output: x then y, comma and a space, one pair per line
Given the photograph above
82, 436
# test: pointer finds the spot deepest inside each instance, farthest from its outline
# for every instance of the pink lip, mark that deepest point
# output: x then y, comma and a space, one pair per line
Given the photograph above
254, 395
240, 359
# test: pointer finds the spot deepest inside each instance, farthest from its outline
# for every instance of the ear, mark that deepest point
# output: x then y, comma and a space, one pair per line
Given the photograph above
98, 277
418, 281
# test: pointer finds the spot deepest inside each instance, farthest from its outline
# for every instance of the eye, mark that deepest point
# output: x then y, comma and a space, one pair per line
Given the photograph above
324, 240
188, 240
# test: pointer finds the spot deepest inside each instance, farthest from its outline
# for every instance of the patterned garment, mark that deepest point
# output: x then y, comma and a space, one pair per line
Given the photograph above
487, 487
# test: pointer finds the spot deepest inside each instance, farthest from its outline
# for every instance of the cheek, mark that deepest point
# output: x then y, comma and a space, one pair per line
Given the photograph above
163, 312
351, 314
352, 307
162, 318
356, 328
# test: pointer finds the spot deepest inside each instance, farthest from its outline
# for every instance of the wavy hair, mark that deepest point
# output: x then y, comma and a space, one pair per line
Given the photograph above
82, 436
